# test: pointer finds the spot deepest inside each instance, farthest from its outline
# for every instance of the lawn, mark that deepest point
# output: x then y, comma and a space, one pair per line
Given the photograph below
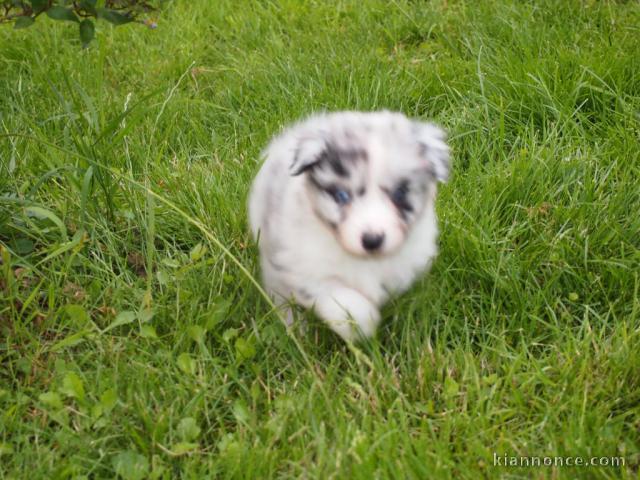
134, 339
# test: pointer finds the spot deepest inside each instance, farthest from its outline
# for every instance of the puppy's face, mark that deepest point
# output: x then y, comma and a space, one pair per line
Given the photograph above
369, 177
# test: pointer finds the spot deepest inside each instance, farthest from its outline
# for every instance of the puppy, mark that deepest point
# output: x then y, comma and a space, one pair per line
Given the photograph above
343, 212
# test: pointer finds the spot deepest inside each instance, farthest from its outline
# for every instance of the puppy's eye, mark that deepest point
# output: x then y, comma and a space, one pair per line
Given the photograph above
342, 197
399, 195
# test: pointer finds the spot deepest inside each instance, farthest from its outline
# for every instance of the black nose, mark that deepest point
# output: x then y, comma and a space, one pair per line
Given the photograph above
372, 241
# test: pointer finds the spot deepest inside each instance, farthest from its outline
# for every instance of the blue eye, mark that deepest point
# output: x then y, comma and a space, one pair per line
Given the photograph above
342, 197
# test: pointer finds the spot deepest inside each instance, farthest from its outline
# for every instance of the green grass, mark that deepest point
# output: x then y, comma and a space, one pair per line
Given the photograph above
133, 339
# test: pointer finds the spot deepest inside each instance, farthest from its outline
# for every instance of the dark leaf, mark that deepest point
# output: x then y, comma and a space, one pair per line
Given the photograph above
37, 5
114, 17
89, 6
60, 13
87, 31
23, 22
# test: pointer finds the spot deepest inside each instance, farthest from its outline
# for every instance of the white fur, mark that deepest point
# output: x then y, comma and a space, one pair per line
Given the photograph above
303, 259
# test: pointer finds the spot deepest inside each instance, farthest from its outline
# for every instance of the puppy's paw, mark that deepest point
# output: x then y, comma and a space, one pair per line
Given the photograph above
350, 314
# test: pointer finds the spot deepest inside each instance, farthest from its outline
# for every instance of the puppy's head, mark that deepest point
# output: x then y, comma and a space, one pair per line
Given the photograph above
369, 176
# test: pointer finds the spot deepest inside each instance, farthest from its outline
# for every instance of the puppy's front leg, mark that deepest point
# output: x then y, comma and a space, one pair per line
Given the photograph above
349, 313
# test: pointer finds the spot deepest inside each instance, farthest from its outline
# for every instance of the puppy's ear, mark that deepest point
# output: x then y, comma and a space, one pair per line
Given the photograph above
308, 154
432, 149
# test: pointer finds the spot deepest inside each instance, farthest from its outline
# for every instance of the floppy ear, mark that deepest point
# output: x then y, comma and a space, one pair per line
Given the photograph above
433, 150
308, 153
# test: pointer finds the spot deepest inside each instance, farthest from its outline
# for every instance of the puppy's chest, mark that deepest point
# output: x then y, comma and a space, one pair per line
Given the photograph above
376, 278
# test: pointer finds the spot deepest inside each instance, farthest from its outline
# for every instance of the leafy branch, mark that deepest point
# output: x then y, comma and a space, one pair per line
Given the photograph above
23, 13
